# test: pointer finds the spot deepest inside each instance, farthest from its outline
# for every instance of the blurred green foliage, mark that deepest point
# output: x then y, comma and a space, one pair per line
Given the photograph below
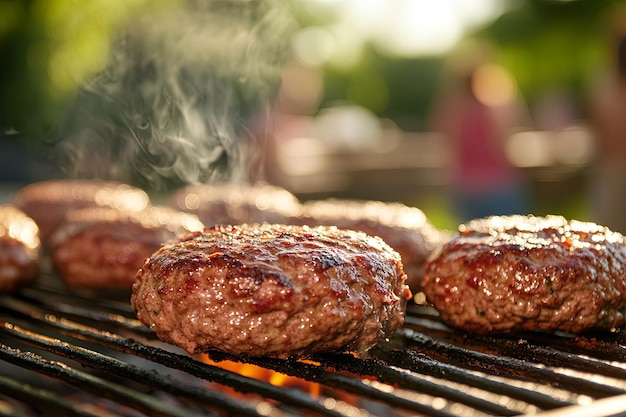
549, 44
546, 44
49, 47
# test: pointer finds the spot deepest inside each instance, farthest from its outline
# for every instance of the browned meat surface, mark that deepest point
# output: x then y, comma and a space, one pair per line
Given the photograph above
518, 273
404, 228
272, 290
47, 202
236, 203
101, 247
19, 248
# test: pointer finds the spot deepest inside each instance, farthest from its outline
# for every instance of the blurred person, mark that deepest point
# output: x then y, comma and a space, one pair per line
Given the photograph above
607, 112
555, 110
477, 116
287, 118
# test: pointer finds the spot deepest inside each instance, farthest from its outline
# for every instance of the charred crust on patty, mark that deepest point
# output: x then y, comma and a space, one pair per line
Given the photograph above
272, 290
526, 273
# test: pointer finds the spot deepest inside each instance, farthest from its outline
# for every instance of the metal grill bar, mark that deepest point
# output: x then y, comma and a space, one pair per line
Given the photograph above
604, 347
349, 384
47, 400
123, 370
426, 368
508, 367
385, 373
115, 315
520, 347
90, 383
184, 363
420, 363
613, 407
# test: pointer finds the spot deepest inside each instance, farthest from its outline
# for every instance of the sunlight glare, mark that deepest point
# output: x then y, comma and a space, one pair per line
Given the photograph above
407, 28
420, 28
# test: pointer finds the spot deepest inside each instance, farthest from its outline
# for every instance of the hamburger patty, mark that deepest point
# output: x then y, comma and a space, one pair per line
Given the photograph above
100, 247
517, 273
406, 229
272, 290
20, 248
236, 203
48, 202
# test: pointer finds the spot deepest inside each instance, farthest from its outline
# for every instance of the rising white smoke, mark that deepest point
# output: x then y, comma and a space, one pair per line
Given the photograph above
174, 104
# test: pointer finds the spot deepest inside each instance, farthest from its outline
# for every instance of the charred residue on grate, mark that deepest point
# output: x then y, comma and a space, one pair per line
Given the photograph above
426, 368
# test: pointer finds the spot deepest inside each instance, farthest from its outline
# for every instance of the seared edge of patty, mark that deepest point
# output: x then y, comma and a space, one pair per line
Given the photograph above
515, 273
405, 228
272, 290
236, 203
104, 247
20, 248
48, 202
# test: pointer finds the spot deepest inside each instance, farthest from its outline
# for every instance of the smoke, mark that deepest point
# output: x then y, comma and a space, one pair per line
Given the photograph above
175, 103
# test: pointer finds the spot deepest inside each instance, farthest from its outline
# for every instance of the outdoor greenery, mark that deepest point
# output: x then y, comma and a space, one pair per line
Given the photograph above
50, 47
546, 44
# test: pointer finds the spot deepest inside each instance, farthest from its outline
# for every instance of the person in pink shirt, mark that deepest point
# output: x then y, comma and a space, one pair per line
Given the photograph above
607, 114
476, 116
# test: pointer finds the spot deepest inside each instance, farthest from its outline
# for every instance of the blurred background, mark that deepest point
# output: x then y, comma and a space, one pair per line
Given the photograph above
458, 107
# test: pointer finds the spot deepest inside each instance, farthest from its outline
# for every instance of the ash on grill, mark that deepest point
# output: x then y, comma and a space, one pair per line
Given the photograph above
98, 360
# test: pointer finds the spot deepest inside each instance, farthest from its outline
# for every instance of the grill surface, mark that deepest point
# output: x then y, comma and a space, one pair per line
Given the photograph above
85, 354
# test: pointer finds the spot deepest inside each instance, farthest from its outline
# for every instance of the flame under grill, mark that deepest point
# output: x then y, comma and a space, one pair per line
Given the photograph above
98, 360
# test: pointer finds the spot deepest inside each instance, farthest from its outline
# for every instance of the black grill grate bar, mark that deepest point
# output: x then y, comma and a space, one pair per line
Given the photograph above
244, 384
95, 315
112, 300
420, 363
404, 379
352, 385
518, 346
189, 365
609, 348
506, 367
115, 367
522, 349
452, 357
47, 400
90, 383
219, 375
423, 386
606, 407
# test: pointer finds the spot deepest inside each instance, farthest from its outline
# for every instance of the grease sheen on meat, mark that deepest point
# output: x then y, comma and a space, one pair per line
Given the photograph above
48, 202
272, 290
236, 203
20, 248
517, 273
102, 247
406, 229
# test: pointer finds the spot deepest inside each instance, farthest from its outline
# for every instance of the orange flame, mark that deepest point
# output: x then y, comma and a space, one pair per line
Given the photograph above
267, 375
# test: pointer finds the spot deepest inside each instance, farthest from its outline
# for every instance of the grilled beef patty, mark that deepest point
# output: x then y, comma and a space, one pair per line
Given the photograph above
20, 248
272, 290
101, 247
235, 203
48, 202
517, 273
406, 229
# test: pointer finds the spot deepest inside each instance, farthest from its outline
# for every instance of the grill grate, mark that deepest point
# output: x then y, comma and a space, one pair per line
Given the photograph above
97, 359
